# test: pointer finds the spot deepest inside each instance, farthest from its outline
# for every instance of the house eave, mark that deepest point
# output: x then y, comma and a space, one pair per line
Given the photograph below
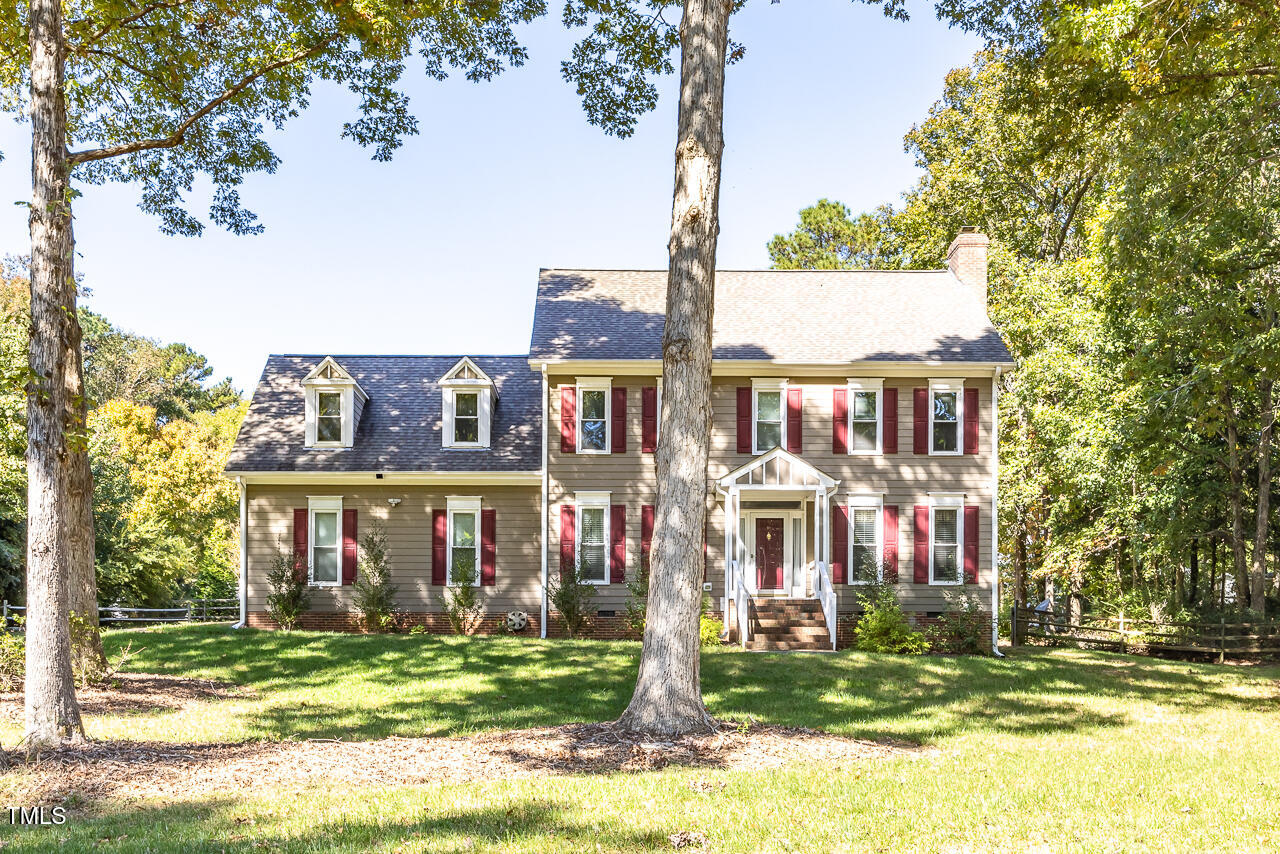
777, 367
383, 478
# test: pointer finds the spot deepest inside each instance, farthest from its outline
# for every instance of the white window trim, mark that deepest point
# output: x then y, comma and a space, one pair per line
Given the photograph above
948, 385
484, 409
855, 385
768, 384
948, 501
865, 501
593, 500
312, 392
324, 504
463, 504
604, 384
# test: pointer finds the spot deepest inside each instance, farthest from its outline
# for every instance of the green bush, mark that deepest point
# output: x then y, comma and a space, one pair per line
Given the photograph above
571, 596
709, 627
460, 600
13, 659
883, 627
288, 596
638, 602
962, 629
373, 595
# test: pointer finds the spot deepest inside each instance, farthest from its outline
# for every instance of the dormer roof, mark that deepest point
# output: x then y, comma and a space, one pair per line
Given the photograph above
329, 372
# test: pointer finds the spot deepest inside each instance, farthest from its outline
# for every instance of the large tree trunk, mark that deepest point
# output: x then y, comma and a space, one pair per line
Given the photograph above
1258, 575
1236, 475
1020, 564
89, 661
1193, 583
52, 713
668, 695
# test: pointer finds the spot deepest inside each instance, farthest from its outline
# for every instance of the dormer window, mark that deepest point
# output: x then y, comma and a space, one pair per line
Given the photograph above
334, 403
467, 395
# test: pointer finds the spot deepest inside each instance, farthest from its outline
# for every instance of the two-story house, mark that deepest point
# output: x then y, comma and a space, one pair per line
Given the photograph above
853, 440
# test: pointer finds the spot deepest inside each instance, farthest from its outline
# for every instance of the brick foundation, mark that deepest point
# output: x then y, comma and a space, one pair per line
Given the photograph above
434, 622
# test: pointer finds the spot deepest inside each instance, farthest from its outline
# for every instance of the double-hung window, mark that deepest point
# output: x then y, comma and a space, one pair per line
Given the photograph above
593, 415
864, 416
593, 538
466, 417
769, 414
325, 541
328, 417
864, 539
946, 402
464, 541
946, 533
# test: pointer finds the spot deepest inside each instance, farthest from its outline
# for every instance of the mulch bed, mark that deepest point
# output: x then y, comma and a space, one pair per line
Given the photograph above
128, 693
99, 770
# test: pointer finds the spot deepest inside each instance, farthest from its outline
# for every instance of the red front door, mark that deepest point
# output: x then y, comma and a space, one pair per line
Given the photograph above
769, 553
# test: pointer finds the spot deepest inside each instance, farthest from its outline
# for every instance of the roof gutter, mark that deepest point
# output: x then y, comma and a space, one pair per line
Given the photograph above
995, 514
244, 555
546, 521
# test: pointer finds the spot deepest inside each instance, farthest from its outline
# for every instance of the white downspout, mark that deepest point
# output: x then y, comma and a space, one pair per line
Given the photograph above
545, 537
244, 555
995, 514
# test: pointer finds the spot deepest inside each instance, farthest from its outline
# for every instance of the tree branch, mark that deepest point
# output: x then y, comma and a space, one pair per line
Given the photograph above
175, 138
107, 29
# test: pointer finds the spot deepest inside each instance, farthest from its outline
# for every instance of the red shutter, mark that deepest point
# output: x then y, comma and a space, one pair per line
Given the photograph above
889, 429
617, 544
439, 553
971, 544
568, 518
618, 434
646, 536
744, 420
840, 421
921, 426
648, 419
568, 420
890, 527
795, 420
488, 547
300, 556
971, 421
839, 543
348, 547
920, 570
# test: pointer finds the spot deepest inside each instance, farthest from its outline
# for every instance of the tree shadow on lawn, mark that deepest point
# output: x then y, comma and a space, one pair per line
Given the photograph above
226, 824
368, 687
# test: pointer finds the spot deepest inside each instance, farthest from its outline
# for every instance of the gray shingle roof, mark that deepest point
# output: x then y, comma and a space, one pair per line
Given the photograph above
786, 315
400, 428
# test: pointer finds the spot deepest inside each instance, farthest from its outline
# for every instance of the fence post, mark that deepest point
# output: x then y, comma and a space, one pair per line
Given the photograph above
1222, 638
4, 624
1124, 639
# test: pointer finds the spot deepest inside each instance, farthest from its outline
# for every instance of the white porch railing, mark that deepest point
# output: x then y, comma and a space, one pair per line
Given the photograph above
827, 596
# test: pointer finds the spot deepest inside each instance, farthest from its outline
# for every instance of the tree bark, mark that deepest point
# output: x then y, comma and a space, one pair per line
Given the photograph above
1020, 566
1258, 575
668, 695
1193, 583
1075, 598
1236, 475
52, 713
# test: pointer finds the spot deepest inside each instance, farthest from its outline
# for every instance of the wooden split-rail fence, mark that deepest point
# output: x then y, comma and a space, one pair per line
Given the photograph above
195, 611
1221, 640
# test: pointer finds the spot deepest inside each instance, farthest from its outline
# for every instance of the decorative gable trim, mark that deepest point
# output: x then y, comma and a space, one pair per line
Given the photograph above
330, 373
465, 372
466, 377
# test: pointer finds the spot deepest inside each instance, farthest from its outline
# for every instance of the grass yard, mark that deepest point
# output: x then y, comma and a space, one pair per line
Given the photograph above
1046, 750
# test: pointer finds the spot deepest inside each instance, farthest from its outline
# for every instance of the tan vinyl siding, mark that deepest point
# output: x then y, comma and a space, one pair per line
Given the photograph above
408, 526
905, 479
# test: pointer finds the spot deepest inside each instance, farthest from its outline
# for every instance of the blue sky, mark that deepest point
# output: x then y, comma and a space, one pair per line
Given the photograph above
438, 250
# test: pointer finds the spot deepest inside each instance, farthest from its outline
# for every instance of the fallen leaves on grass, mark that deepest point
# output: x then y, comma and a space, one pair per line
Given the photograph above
120, 769
134, 692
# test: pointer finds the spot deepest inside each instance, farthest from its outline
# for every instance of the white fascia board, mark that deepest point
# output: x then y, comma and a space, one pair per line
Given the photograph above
369, 478
770, 367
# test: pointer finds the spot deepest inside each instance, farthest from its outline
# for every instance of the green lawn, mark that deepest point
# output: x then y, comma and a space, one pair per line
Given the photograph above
1052, 750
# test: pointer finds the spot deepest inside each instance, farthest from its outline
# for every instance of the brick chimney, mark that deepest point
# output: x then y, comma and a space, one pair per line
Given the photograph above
967, 258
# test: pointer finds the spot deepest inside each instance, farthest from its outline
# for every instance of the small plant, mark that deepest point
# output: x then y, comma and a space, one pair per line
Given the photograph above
13, 659
571, 595
883, 627
638, 602
418, 630
962, 629
288, 596
460, 601
373, 594
709, 627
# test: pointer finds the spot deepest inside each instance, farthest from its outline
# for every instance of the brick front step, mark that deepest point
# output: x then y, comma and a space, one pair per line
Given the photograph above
757, 645
786, 625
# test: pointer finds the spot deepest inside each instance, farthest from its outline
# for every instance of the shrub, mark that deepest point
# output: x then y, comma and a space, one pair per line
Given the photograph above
373, 596
288, 596
13, 659
459, 600
709, 627
571, 596
638, 603
883, 627
962, 628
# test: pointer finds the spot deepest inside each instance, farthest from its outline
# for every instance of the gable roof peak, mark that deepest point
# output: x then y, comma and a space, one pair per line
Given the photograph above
465, 371
329, 371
